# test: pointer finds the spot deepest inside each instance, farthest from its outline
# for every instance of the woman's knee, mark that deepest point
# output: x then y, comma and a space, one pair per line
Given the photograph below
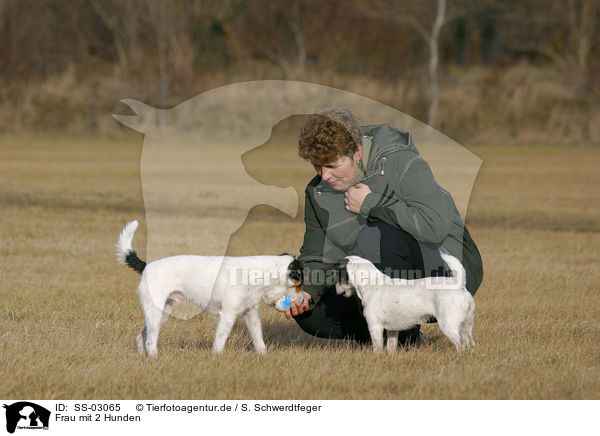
307, 323
368, 242
326, 319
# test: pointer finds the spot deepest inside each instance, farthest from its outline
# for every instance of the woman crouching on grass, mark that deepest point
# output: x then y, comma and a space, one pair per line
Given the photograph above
375, 197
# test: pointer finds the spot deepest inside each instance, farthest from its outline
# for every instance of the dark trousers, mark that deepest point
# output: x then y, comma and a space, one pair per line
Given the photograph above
394, 252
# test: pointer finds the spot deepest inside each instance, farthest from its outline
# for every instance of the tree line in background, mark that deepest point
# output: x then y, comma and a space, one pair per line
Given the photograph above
169, 46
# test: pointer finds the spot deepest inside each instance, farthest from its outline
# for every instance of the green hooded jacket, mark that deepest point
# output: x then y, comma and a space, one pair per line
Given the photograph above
404, 194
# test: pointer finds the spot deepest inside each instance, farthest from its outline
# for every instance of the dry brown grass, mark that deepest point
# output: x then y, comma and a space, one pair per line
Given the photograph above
69, 313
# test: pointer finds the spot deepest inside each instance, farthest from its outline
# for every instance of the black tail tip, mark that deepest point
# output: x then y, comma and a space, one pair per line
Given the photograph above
133, 261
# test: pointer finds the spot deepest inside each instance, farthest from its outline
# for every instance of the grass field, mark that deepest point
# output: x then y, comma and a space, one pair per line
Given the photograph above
69, 314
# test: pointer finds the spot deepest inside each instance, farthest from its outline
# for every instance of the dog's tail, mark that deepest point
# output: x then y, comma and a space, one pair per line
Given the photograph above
458, 270
125, 252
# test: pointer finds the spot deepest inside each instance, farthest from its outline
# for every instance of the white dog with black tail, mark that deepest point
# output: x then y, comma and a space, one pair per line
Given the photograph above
241, 283
400, 304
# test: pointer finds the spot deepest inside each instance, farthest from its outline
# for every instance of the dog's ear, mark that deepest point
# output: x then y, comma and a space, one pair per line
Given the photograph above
297, 264
342, 263
341, 272
342, 284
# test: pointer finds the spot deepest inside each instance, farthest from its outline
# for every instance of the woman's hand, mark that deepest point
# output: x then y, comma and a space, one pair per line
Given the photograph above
354, 197
297, 309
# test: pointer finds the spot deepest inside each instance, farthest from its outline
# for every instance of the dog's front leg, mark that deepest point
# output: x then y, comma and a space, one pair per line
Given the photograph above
226, 322
376, 331
253, 325
392, 340
376, 337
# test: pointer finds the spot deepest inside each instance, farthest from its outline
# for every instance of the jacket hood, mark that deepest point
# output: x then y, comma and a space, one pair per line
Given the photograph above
385, 139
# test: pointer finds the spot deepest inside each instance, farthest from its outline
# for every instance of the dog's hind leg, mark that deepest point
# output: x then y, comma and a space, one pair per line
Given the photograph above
451, 331
152, 329
226, 322
174, 299
253, 325
466, 326
469, 329
466, 332
166, 313
140, 340
148, 338
392, 340
471, 322
154, 317
464, 337
470, 334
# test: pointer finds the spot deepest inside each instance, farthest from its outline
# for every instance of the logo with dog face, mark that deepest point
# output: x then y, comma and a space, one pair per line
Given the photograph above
207, 162
26, 415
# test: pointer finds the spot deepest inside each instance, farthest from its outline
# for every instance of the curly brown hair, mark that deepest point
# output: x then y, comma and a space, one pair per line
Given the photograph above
329, 134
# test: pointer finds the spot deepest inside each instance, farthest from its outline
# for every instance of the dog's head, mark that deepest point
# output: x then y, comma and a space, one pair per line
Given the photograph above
342, 284
291, 273
296, 274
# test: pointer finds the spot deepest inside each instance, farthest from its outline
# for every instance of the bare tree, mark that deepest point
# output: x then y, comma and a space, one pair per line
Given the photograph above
275, 31
293, 20
582, 25
432, 40
431, 36
2, 14
111, 21
564, 31
583, 22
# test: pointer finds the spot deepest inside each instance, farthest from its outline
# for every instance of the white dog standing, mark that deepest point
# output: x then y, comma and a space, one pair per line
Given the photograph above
400, 304
242, 282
